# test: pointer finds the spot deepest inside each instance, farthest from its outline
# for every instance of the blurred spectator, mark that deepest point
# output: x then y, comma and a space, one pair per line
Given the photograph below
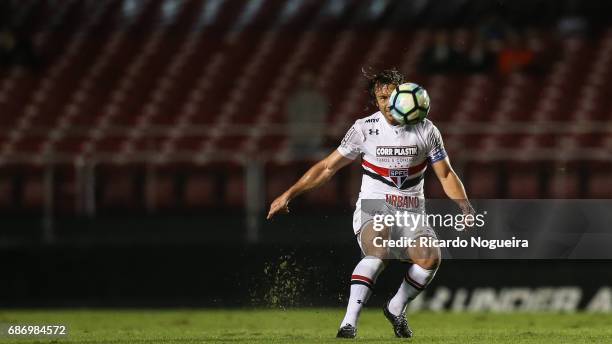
479, 59
8, 42
441, 57
572, 24
459, 46
306, 111
515, 56
16, 49
544, 56
493, 28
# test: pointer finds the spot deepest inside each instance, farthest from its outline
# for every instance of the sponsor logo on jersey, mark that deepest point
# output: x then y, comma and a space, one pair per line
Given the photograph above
396, 151
373, 131
372, 120
402, 201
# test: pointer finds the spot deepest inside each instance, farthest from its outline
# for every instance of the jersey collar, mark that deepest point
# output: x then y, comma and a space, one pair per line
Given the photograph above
396, 128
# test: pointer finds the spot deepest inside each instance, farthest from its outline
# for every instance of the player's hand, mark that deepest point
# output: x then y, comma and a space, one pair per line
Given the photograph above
469, 214
466, 208
279, 206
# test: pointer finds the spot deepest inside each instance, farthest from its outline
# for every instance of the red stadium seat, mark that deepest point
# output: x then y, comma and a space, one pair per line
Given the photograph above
276, 185
600, 185
433, 188
33, 196
200, 192
161, 192
114, 87
235, 191
524, 184
278, 179
564, 185
354, 183
66, 190
481, 181
326, 195
119, 192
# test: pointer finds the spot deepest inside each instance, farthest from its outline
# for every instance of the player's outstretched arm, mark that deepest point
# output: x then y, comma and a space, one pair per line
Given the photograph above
452, 184
316, 176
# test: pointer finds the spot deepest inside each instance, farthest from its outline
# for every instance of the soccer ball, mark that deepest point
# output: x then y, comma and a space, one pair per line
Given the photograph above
409, 103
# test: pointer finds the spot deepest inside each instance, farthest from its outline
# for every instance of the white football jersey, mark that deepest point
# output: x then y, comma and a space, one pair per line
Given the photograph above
393, 158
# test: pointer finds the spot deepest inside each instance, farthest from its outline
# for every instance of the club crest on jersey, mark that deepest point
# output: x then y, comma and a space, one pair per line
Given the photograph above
398, 176
396, 150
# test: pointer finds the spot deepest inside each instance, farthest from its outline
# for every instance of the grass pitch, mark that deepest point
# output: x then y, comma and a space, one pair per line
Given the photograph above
306, 326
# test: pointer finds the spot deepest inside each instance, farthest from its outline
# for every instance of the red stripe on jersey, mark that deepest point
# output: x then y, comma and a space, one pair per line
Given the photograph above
385, 171
379, 170
362, 278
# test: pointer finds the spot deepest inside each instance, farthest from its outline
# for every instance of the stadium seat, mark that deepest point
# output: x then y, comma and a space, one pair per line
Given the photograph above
327, 195
33, 192
200, 192
66, 190
600, 185
280, 178
161, 193
201, 83
523, 181
235, 191
433, 188
119, 185
353, 185
564, 185
481, 181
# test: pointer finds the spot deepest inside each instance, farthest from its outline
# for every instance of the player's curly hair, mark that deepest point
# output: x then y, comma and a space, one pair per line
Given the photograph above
384, 77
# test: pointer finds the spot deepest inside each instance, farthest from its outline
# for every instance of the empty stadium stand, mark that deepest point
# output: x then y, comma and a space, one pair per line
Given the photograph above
162, 103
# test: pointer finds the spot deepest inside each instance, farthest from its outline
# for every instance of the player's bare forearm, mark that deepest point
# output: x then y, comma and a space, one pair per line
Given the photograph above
454, 190
316, 176
452, 185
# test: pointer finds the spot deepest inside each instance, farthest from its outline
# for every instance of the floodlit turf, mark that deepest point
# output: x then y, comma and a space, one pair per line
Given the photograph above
308, 326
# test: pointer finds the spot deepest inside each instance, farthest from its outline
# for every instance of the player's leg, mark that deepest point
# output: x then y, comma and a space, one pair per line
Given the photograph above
425, 262
363, 278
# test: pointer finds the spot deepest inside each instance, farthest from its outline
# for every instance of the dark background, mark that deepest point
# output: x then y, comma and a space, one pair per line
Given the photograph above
205, 276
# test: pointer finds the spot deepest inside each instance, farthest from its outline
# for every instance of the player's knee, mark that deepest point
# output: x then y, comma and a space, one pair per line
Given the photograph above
429, 258
431, 263
379, 253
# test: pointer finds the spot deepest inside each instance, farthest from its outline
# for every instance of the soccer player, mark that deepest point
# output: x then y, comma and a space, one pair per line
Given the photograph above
394, 159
